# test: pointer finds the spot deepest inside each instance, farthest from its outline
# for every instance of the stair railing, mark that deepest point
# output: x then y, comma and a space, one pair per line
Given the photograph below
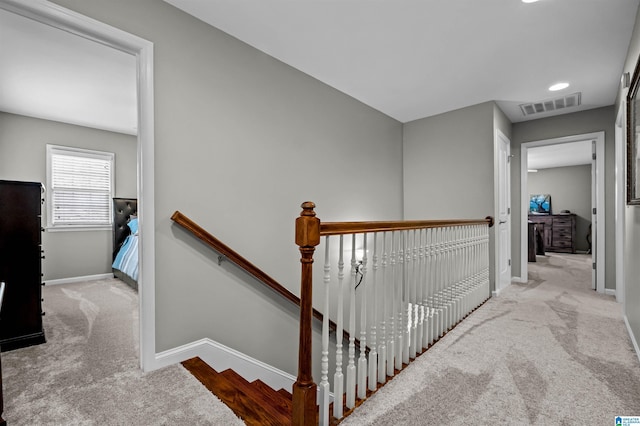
425, 277
228, 253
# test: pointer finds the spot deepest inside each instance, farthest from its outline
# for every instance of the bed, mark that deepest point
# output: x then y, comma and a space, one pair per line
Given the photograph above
125, 241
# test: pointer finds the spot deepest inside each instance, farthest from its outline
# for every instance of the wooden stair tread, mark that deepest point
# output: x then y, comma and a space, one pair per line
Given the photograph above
285, 393
278, 398
253, 405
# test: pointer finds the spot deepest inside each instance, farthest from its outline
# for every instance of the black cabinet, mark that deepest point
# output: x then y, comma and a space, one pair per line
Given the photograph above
20, 264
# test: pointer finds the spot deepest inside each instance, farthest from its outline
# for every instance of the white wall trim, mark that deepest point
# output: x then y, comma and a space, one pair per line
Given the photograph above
620, 196
634, 341
79, 279
600, 226
519, 280
221, 357
83, 26
610, 292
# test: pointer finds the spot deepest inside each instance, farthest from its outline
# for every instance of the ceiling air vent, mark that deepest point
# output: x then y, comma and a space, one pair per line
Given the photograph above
549, 105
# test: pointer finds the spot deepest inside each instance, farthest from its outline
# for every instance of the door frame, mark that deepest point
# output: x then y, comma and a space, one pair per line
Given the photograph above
500, 137
598, 249
67, 20
620, 197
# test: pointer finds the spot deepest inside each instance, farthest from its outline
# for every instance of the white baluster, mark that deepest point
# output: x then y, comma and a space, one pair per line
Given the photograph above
324, 373
413, 347
406, 298
373, 353
391, 328
351, 366
448, 282
464, 274
429, 278
399, 312
338, 378
420, 342
437, 267
444, 276
362, 360
382, 350
455, 282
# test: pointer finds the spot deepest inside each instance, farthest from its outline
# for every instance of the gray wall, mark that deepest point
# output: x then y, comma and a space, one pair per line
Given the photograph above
590, 121
501, 122
570, 189
241, 140
23, 157
632, 215
448, 165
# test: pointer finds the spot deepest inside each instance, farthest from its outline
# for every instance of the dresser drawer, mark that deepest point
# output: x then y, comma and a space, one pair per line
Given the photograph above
562, 221
562, 234
562, 243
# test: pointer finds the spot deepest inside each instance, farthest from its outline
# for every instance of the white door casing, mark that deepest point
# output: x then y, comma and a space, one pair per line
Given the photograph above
598, 227
594, 216
503, 212
83, 26
620, 199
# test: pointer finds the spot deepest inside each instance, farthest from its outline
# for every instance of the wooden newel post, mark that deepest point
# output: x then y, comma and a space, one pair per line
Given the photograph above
304, 389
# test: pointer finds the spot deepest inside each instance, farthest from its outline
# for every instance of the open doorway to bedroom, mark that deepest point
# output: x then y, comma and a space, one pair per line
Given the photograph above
563, 203
130, 125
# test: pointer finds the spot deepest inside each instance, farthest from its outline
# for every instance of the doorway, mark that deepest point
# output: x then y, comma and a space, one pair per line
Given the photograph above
598, 220
82, 26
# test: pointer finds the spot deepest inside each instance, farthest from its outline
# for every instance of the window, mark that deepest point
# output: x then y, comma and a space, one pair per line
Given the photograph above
80, 184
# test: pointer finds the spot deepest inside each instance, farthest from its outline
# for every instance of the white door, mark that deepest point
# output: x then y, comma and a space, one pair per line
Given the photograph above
503, 219
594, 216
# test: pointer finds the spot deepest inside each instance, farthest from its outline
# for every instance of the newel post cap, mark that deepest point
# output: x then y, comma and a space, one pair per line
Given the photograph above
307, 226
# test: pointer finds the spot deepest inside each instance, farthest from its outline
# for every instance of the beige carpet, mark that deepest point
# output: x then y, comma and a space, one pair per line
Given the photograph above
87, 373
549, 352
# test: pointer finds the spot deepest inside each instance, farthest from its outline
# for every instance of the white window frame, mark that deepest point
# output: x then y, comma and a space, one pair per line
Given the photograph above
77, 152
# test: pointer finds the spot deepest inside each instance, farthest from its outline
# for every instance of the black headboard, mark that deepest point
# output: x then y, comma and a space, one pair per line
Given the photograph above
123, 209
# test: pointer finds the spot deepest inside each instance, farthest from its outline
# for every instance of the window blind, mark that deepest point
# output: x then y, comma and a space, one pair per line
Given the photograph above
80, 186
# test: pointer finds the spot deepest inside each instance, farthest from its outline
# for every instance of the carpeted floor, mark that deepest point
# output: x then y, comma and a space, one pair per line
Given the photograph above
549, 352
88, 371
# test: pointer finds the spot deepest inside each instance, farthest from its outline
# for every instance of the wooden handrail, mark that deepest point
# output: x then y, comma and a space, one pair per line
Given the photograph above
236, 258
342, 228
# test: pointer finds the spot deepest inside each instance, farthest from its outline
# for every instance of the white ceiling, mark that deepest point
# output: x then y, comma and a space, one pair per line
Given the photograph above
407, 58
49, 73
416, 58
560, 155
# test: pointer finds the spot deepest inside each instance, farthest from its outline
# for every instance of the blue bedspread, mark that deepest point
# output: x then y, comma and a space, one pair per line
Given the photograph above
127, 258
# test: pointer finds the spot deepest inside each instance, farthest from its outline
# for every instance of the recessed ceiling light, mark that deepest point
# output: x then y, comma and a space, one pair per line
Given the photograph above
529, 1
558, 86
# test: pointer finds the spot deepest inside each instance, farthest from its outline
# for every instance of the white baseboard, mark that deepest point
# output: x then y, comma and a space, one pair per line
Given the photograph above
632, 336
610, 291
72, 280
518, 280
496, 293
221, 357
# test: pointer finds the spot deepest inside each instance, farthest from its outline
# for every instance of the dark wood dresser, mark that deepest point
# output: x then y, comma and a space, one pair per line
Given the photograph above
20, 264
558, 231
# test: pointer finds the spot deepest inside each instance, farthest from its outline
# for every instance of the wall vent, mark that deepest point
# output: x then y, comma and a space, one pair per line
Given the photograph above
549, 105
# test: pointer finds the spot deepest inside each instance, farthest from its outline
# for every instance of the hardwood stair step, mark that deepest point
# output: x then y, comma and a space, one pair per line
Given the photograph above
285, 393
253, 405
276, 397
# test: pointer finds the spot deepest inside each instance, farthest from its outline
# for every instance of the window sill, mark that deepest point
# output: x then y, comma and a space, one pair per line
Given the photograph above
78, 228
